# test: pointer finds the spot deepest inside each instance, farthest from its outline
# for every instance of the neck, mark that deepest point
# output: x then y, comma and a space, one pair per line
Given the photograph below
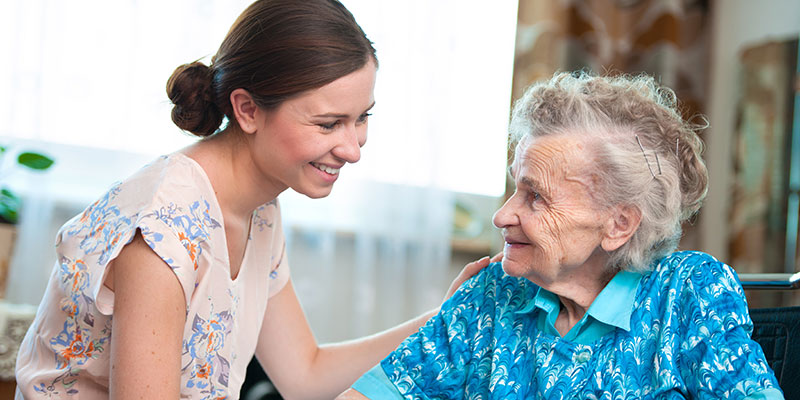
239, 186
578, 289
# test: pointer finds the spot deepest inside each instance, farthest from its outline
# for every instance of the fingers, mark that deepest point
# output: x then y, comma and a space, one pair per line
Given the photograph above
470, 270
467, 272
475, 266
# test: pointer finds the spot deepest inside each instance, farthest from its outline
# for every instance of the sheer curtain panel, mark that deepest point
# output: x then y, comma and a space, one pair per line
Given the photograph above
84, 81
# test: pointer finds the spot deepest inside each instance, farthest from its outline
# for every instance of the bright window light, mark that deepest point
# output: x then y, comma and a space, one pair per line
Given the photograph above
93, 73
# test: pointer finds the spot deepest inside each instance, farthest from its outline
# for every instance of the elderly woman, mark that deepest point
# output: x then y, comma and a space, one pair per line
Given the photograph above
591, 300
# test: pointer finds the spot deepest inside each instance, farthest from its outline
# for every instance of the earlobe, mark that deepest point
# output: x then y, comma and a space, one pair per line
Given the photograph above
244, 110
622, 224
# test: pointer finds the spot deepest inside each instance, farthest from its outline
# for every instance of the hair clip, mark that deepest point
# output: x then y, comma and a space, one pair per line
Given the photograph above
658, 163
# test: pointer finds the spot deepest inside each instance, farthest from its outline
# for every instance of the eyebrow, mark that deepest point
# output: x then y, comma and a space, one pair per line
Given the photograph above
525, 181
535, 186
332, 115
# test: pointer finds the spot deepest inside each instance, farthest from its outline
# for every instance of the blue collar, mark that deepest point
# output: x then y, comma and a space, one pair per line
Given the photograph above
613, 306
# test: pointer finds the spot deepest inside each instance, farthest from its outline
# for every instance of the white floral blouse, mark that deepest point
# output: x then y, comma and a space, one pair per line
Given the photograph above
172, 203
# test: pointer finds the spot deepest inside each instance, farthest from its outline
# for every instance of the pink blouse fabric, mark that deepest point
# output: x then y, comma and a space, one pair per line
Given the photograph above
172, 203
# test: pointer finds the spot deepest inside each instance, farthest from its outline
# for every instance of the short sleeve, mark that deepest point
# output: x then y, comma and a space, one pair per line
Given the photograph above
176, 220
718, 359
455, 344
174, 247
376, 385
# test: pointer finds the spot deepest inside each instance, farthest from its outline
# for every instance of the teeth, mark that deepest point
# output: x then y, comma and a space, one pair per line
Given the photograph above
332, 171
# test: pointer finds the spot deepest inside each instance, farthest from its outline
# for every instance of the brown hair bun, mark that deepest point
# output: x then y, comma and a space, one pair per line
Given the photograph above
189, 89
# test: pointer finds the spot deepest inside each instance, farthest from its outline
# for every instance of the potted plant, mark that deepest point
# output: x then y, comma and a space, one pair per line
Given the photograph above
10, 203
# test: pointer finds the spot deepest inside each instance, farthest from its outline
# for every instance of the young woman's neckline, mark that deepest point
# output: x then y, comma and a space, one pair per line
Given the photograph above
180, 155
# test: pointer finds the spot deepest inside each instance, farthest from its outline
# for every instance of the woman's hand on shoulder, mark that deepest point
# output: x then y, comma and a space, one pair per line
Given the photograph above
147, 332
469, 271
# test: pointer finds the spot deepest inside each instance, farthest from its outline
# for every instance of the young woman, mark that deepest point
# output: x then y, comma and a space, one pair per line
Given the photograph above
170, 283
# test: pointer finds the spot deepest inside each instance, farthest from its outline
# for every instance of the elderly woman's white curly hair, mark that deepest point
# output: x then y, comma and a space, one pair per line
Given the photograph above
647, 155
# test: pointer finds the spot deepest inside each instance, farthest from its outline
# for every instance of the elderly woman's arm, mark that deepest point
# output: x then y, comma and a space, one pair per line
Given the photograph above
373, 385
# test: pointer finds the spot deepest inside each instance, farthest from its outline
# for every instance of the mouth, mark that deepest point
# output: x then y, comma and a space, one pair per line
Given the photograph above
512, 242
326, 169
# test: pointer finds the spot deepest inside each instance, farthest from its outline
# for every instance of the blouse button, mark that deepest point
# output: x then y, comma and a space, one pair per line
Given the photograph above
583, 357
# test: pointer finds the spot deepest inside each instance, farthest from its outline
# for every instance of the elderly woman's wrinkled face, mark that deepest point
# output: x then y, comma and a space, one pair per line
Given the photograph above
552, 225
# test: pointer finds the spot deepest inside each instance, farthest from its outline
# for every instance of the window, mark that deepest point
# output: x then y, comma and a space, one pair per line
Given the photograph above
92, 73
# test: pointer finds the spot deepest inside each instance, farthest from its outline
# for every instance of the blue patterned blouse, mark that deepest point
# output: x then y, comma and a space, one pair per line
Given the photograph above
688, 337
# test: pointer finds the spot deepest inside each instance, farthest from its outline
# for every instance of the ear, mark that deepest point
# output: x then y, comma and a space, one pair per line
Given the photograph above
245, 110
623, 222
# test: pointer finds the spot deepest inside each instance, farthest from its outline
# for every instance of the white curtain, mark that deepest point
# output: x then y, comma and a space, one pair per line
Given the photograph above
84, 81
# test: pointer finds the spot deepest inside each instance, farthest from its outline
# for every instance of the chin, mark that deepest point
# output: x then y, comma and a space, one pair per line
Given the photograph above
512, 268
316, 194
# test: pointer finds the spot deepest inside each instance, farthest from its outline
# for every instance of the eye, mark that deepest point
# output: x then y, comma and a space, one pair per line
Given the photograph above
534, 196
363, 117
329, 127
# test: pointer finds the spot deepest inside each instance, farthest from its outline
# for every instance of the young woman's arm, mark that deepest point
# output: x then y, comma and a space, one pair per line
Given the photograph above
351, 394
301, 369
149, 317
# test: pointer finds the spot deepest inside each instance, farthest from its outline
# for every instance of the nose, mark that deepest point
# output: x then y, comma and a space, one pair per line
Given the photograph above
349, 146
506, 216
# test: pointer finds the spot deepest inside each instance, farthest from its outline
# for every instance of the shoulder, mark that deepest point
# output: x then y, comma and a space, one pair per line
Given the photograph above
492, 287
157, 182
173, 176
694, 268
168, 198
697, 280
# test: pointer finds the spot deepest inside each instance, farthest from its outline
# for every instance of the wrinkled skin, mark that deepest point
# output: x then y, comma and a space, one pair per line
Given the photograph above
552, 225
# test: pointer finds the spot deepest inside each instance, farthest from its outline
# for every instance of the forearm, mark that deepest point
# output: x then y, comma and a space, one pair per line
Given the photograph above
336, 366
301, 369
351, 394
364, 353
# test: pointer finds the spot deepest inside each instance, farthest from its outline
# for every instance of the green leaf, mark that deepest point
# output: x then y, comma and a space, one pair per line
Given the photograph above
9, 206
5, 193
35, 160
8, 216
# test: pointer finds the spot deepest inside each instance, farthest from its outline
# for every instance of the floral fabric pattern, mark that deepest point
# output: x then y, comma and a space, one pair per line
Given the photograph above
172, 204
192, 226
208, 369
689, 338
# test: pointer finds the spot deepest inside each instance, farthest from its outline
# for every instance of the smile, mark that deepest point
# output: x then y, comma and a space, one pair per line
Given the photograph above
324, 168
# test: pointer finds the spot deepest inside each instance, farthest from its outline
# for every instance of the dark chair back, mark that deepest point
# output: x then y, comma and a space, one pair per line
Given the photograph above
257, 385
777, 330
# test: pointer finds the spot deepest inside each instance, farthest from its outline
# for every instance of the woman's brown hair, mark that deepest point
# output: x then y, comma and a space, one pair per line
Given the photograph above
275, 50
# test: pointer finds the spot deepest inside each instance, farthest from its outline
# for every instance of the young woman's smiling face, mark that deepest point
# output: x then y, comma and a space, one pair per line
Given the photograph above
551, 224
305, 142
